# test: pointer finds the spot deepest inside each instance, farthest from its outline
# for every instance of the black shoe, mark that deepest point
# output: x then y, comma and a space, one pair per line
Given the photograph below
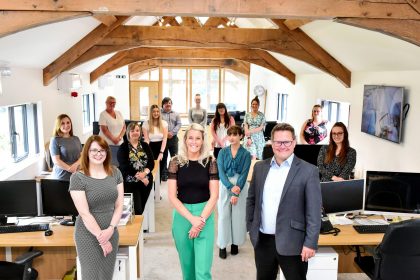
234, 249
222, 253
164, 178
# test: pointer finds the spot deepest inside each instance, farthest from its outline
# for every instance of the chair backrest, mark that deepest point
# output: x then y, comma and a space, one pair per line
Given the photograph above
399, 252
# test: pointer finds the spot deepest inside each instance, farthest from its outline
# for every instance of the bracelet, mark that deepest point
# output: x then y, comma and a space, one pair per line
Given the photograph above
111, 225
160, 152
203, 219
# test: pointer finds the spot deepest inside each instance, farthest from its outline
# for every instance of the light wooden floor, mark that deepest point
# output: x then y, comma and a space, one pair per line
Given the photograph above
161, 259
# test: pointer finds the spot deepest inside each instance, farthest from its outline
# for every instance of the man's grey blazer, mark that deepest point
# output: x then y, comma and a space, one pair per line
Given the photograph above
299, 211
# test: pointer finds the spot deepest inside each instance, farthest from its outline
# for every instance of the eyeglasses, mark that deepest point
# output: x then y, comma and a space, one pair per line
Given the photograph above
284, 143
337, 134
96, 151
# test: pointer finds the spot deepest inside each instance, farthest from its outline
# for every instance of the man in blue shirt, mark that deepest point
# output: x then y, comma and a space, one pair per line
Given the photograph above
174, 124
283, 210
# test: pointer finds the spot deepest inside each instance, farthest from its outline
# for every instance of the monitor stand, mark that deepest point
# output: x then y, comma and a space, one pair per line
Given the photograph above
3, 220
68, 222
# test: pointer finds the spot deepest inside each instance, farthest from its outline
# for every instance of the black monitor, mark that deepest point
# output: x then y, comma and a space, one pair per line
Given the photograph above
18, 198
269, 125
342, 196
392, 193
56, 200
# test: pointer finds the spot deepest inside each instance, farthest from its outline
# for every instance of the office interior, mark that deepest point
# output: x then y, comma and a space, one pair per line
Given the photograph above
371, 57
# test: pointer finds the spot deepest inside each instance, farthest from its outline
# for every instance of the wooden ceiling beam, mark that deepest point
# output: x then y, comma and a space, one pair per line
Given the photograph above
127, 57
247, 38
167, 20
213, 22
190, 21
233, 64
105, 19
334, 68
271, 60
320, 9
415, 4
407, 30
16, 21
293, 24
72, 54
293, 43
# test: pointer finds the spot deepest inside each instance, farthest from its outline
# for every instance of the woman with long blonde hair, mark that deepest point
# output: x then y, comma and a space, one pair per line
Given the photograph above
193, 188
65, 148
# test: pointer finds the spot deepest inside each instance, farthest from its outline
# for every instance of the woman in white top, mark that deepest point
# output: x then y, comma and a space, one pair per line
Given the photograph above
198, 114
111, 123
219, 126
155, 132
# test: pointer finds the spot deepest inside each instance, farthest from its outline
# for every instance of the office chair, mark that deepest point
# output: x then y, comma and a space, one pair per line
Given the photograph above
398, 255
21, 269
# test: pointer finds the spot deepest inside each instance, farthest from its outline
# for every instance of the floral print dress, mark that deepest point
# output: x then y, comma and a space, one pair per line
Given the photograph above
258, 141
315, 133
138, 160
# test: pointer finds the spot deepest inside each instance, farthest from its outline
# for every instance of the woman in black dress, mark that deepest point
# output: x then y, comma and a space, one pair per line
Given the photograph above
136, 164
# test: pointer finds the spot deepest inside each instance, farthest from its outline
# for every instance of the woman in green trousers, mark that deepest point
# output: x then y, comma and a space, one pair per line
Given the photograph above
193, 187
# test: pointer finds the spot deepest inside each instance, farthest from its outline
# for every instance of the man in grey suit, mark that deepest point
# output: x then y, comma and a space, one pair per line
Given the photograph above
283, 209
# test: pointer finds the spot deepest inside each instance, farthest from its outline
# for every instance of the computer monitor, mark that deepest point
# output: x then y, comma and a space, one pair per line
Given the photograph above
56, 199
18, 198
342, 196
269, 125
392, 193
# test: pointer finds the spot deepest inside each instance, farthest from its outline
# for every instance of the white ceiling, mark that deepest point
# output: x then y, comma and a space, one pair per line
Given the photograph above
357, 49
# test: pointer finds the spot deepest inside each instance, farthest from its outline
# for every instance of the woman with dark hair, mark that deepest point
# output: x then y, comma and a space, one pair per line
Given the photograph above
65, 148
98, 193
136, 164
233, 165
337, 160
219, 126
314, 130
254, 123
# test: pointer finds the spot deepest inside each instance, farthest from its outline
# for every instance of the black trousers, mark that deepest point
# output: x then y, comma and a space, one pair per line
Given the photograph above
140, 193
267, 261
172, 148
155, 147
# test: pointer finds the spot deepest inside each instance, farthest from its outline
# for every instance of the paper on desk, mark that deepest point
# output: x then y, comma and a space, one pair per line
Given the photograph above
340, 220
369, 222
36, 220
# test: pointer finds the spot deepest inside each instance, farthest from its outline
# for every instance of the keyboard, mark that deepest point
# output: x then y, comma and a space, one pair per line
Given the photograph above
25, 228
370, 228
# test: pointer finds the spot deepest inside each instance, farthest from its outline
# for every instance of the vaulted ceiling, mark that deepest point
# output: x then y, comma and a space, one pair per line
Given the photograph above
208, 33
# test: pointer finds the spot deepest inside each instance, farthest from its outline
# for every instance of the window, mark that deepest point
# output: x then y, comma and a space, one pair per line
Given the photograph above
235, 94
282, 106
206, 83
335, 111
175, 87
88, 109
19, 134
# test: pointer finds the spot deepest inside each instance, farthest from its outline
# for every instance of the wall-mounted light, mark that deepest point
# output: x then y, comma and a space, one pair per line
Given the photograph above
5, 71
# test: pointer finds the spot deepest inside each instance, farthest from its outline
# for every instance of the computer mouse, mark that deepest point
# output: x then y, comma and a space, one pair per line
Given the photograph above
48, 232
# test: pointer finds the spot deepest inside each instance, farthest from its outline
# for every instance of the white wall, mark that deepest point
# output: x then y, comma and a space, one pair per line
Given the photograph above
372, 153
25, 85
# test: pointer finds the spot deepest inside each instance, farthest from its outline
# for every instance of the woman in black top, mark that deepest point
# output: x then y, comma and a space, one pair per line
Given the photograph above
136, 163
337, 160
193, 188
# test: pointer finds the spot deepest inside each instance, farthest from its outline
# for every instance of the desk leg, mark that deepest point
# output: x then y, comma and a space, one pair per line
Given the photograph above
135, 259
157, 186
8, 254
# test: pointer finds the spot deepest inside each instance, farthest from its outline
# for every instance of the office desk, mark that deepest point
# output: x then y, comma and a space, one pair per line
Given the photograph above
348, 236
60, 252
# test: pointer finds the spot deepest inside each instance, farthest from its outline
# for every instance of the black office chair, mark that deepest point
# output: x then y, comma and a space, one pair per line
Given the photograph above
21, 269
398, 255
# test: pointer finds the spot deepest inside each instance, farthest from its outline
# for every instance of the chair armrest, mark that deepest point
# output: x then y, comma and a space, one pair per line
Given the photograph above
28, 256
